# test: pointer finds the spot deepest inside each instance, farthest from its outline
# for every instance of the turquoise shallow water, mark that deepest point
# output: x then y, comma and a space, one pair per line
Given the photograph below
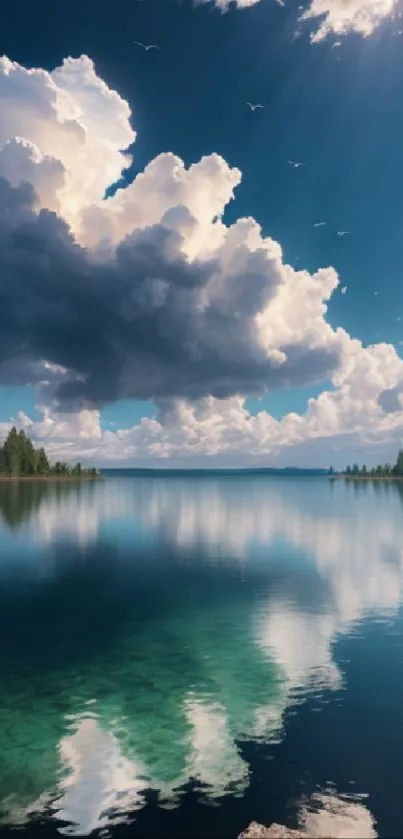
181, 655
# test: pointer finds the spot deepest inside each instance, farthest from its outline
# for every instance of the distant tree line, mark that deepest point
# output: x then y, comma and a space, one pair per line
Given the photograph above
19, 458
386, 471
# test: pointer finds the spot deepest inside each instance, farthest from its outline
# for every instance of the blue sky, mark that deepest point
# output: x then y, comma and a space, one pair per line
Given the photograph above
335, 108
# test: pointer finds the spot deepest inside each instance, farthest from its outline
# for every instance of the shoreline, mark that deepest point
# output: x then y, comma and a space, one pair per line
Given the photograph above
46, 478
100, 477
366, 477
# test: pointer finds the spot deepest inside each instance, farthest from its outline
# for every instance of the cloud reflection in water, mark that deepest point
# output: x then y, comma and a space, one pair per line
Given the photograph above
283, 573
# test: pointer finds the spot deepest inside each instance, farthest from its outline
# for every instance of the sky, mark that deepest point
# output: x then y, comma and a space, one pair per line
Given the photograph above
174, 290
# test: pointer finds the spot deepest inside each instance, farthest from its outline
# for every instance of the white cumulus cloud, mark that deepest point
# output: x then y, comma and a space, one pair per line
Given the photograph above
336, 17
67, 118
339, 17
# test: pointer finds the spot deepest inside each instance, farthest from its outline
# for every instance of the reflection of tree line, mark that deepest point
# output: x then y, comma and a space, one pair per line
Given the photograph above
379, 487
19, 499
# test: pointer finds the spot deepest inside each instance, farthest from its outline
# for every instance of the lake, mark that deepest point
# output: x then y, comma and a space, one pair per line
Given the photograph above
183, 654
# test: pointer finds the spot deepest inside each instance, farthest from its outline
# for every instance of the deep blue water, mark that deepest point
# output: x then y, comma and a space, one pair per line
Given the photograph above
183, 655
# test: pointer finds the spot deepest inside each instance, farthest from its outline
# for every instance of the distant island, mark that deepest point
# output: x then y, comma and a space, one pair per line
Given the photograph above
20, 459
386, 472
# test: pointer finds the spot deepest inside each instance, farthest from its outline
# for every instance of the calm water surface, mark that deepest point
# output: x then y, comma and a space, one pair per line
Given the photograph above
181, 655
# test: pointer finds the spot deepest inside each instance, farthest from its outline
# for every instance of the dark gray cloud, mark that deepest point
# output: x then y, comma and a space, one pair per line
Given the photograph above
130, 325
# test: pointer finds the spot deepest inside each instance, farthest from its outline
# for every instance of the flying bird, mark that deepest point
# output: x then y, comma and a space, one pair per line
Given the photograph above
376, 293
320, 224
294, 164
342, 232
147, 47
253, 107
344, 289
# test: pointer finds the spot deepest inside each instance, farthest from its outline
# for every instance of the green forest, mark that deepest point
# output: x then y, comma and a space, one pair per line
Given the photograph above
20, 459
386, 471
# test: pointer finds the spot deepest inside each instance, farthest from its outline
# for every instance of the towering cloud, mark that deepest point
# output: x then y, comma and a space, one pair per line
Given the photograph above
148, 294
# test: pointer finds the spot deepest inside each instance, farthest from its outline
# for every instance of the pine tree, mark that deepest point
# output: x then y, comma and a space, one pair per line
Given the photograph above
42, 464
399, 463
11, 454
26, 454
